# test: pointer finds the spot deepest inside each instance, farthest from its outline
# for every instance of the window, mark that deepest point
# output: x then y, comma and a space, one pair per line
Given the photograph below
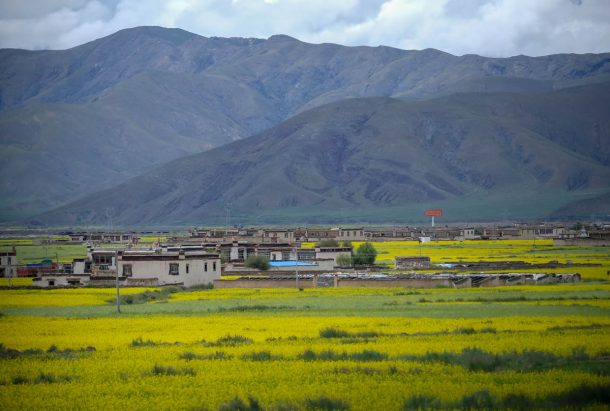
187, 268
205, 267
174, 269
51, 283
127, 270
214, 266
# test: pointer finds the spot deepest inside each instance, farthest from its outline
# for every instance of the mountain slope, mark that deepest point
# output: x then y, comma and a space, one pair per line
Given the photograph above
380, 153
74, 121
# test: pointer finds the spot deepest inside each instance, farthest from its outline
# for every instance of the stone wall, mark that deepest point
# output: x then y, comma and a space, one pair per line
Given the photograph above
403, 282
264, 283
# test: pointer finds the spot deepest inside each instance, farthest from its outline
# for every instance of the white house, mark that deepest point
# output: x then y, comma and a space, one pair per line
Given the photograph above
332, 253
159, 267
8, 263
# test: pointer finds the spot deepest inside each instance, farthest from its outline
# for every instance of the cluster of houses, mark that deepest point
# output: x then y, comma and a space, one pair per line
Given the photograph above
186, 265
483, 232
341, 234
203, 254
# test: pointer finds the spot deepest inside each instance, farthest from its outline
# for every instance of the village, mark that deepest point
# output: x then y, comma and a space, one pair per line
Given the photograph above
221, 258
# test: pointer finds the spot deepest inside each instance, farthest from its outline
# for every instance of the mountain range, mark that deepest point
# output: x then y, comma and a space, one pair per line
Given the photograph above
125, 127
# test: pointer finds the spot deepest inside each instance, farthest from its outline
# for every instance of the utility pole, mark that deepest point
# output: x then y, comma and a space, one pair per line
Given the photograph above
297, 270
118, 295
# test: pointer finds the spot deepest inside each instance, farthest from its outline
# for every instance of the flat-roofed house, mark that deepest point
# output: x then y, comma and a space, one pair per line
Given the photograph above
188, 268
8, 263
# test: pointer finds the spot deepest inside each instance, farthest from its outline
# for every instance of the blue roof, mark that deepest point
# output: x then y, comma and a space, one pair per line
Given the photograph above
289, 263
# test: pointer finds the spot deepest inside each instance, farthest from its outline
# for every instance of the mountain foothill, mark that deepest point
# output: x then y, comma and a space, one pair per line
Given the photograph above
155, 126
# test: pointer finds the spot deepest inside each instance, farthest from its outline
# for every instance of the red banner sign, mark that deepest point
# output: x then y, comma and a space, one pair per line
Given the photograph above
434, 212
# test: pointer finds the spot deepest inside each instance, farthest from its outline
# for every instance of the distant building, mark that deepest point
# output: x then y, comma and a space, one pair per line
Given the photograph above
326, 253
8, 263
338, 234
104, 237
187, 266
409, 263
277, 236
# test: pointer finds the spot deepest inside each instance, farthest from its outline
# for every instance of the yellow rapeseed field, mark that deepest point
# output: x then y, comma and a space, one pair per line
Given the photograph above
62, 297
188, 357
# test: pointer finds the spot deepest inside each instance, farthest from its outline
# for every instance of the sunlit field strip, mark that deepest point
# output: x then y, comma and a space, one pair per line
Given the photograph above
591, 302
15, 282
120, 373
61, 297
265, 293
122, 380
41, 332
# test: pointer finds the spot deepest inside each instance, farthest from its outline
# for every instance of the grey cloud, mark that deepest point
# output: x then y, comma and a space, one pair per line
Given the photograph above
463, 8
488, 27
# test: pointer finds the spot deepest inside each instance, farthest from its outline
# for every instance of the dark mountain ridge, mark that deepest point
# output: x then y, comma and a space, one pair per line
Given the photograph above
380, 153
78, 120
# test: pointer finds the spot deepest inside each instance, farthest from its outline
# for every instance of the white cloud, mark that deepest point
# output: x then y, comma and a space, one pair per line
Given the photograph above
487, 27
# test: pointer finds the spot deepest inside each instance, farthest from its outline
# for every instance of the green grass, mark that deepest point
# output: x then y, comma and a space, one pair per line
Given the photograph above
435, 303
29, 253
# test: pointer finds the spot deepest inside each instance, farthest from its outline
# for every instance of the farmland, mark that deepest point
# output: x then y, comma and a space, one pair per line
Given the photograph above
353, 348
517, 347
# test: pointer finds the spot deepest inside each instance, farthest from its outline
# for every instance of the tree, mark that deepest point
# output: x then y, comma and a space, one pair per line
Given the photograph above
329, 242
346, 244
257, 261
365, 254
344, 260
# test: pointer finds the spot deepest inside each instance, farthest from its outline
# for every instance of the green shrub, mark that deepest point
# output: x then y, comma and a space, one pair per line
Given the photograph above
368, 355
421, 402
258, 356
230, 341
161, 370
479, 400
139, 342
518, 402
581, 396
257, 261
332, 332
307, 355
344, 260
475, 359
44, 378
465, 330
237, 404
365, 254
329, 242
20, 379
323, 403
330, 355
218, 355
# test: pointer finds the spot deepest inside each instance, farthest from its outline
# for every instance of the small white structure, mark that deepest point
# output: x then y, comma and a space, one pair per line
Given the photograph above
277, 236
325, 253
159, 267
61, 280
8, 263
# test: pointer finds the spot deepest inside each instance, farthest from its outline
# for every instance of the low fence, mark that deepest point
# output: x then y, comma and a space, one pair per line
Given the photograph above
413, 281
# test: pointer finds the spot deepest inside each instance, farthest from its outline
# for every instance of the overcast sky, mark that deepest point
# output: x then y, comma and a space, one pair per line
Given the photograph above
486, 27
